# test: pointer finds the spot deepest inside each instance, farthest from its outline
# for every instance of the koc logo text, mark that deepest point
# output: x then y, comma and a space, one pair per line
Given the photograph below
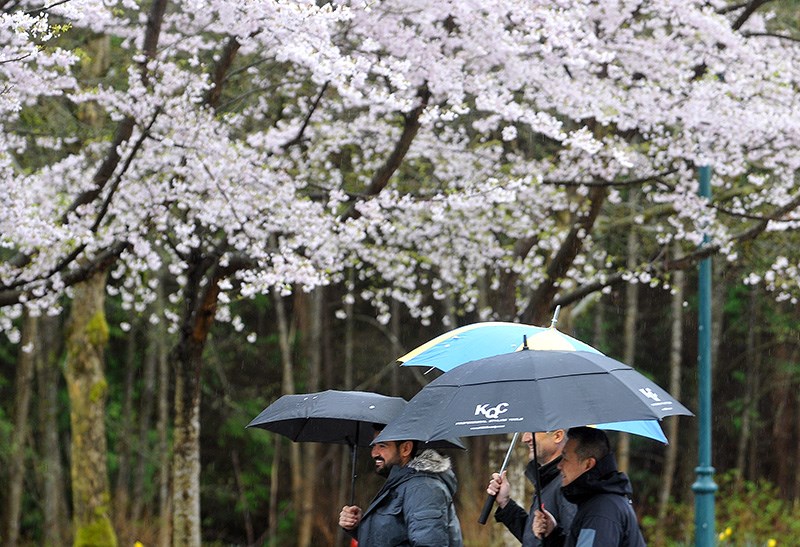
491, 412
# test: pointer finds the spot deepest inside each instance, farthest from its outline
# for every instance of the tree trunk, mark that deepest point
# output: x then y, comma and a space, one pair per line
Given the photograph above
598, 326
675, 352
186, 452
236, 467
287, 378
87, 335
796, 432
783, 399
345, 468
30, 347
199, 311
315, 305
274, 483
397, 348
162, 426
750, 383
121, 505
54, 495
145, 422
629, 331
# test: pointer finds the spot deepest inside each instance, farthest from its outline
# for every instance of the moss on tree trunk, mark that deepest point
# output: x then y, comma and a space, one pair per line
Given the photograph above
87, 335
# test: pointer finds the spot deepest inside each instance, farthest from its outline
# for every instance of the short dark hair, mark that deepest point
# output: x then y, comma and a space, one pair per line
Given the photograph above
592, 442
414, 444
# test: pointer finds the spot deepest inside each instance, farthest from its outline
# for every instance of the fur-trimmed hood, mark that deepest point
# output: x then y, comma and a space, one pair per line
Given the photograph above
430, 461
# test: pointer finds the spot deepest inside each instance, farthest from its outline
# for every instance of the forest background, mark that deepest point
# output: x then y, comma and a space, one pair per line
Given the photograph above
210, 204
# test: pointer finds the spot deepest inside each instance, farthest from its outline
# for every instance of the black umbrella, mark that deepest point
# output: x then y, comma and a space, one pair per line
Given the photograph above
341, 417
530, 390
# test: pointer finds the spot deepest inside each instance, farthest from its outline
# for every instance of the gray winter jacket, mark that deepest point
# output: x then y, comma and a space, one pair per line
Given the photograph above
414, 507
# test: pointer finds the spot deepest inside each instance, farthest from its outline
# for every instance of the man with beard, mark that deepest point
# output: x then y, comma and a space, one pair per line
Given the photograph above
415, 505
590, 479
519, 522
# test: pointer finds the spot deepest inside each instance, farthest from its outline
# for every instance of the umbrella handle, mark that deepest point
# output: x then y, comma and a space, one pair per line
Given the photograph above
487, 506
353, 458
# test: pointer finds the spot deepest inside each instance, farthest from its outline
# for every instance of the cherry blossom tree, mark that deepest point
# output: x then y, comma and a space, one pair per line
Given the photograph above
471, 152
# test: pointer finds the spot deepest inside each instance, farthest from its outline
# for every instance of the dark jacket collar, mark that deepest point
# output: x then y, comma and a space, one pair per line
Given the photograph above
547, 472
603, 478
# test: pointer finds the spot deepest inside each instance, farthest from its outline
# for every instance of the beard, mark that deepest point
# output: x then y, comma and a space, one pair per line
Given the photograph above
384, 469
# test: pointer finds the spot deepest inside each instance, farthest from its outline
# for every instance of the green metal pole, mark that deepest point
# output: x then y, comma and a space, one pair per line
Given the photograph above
704, 487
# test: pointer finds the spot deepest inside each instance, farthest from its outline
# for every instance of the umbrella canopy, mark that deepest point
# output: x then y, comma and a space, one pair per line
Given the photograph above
480, 340
342, 417
339, 417
490, 338
531, 390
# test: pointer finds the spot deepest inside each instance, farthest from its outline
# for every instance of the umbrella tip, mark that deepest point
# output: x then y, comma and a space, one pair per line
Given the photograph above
554, 320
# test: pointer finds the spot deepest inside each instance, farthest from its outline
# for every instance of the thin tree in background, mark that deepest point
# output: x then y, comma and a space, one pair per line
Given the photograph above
162, 423
310, 309
752, 362
675, 365
629, 329
50, 467
285, 337
124, 448
30, 351
153, 341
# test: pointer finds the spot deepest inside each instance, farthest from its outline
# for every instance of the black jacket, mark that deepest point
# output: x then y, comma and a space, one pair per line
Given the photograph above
518, 521
605, 516
414, 507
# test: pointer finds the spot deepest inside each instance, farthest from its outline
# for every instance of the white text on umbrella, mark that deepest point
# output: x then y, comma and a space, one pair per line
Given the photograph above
491, 412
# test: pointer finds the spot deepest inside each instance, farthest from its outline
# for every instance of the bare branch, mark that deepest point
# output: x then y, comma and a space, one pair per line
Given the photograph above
410, 127
749, 9
680, 263
221, 70
299, 137
115, 184
772, 35
14, 60
656, 177
731, 8
99, 263
47, 8
544, 294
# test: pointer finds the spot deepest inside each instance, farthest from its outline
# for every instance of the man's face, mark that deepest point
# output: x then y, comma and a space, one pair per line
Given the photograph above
527, 439
571, 466
546, 447
386, 456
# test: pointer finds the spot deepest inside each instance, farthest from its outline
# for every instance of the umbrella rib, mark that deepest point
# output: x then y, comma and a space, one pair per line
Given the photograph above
538, 379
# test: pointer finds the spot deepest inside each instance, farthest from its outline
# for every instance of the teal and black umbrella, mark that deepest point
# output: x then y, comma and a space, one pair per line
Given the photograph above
490, 338
531, 390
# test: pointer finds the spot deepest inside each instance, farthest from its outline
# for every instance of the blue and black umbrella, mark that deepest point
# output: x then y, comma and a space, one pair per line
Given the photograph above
531, 390
490, 338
